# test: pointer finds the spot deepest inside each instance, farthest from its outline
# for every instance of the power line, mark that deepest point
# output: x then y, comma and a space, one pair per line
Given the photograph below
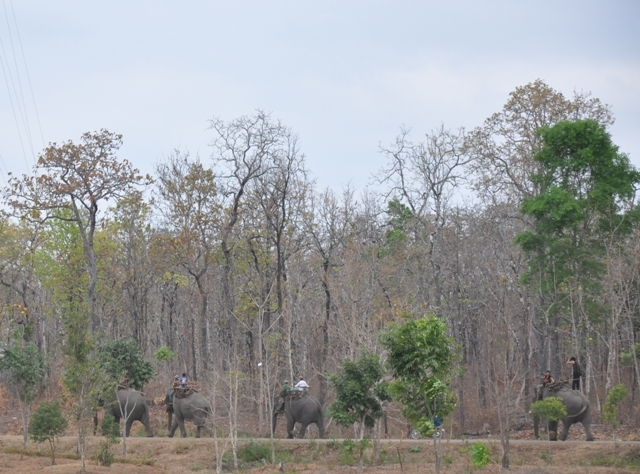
19, 97
15, 116
24, 60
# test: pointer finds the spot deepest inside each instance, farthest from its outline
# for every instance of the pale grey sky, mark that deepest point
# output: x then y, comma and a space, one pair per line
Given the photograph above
344, 75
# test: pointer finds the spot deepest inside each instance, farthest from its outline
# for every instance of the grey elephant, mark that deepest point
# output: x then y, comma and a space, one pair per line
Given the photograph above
304, 410
193, 407
129, 405
577, 405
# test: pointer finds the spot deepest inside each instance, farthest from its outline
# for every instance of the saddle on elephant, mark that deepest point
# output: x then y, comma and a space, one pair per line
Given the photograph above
184, 392
297, 394
556, 386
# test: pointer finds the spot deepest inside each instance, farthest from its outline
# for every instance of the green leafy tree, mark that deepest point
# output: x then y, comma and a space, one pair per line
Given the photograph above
422, 360
47, 424
26, 367
586, 186
123, 359
612, 405
359, 391
61, 268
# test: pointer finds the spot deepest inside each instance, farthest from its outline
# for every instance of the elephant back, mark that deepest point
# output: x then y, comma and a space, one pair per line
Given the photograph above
129, 396
195, 399
307, 400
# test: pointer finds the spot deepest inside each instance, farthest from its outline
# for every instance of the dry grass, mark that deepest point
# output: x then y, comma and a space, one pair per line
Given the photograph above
160, 455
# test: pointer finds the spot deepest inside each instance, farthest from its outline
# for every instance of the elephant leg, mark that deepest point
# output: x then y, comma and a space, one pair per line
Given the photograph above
198, 427
274, 421
147, 425
173, 428
320, 425
586, 422
587, 428
183, 431
552, 429
303, 430
565, 430
128, 426
536, 432
169, 419
290, 425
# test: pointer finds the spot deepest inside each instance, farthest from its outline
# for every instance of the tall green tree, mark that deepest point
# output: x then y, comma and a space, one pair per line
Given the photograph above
585, 203
360, 391
60, 267
422, 360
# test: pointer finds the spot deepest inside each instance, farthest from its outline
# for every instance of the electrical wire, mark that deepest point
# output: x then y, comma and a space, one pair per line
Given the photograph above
19, 97
24, 60
15, 116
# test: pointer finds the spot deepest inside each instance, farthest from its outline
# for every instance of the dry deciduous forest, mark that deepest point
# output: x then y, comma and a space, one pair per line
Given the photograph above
237, 270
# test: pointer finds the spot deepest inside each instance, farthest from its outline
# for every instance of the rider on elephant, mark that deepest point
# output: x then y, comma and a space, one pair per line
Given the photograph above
284, 393
301, 387
547, 378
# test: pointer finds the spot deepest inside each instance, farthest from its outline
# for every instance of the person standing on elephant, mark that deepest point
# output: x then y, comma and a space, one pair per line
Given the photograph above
575, 374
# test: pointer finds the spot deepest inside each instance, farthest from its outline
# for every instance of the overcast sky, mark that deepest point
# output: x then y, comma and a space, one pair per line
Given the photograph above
344, 75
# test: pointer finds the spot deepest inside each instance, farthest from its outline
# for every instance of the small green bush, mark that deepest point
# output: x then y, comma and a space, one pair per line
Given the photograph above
415, 449
252, 452
480, 455
111, 431
347, 448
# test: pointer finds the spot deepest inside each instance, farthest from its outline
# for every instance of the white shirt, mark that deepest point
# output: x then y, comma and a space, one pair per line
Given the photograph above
302, 384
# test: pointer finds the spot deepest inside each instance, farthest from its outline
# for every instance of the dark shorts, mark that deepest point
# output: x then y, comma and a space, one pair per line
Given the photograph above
575, 384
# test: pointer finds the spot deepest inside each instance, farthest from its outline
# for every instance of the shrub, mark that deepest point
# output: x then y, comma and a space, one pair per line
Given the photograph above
253, 451
480, 455
47, 423
111, 432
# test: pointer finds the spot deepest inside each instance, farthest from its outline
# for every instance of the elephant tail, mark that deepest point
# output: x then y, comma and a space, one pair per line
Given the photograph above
584, 408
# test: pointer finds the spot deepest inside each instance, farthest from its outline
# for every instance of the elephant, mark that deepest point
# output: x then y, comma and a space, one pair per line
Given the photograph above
129, 405
304, 410
194, 407
577, 405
